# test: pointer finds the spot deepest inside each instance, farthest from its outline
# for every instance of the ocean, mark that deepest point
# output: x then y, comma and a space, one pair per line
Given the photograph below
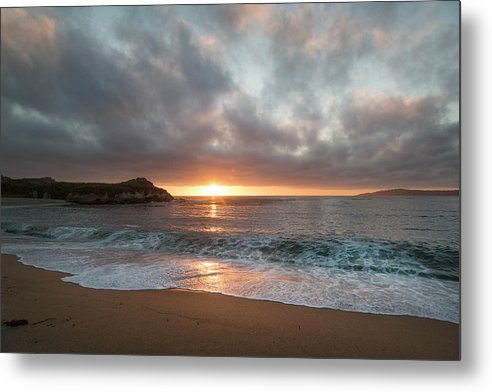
383, 255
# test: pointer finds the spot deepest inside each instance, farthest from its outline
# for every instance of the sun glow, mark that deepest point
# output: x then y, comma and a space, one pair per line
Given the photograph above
214, 190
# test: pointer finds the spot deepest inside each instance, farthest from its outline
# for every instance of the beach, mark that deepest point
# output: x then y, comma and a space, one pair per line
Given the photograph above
66, 318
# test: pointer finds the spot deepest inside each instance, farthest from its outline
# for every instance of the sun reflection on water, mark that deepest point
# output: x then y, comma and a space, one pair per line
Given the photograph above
213, 210
210, 271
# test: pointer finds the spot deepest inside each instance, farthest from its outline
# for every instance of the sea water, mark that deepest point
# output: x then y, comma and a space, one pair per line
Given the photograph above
385, 255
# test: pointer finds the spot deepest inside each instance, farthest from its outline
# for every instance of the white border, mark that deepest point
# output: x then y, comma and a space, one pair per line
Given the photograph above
473, 373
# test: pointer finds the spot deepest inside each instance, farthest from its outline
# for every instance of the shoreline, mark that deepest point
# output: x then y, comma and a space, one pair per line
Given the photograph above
63, 317
66, 274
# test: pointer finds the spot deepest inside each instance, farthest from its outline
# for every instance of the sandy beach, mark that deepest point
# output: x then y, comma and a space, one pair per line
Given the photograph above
65, 318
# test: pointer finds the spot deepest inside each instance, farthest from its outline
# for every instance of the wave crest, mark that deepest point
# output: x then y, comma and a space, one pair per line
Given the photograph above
355, 254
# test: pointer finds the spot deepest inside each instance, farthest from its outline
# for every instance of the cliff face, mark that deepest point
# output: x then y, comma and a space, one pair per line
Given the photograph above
138, 190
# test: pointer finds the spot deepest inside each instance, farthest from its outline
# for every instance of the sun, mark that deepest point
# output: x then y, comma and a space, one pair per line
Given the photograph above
214, 190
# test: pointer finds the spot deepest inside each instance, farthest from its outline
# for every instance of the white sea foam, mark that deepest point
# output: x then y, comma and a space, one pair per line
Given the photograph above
374, 256
287, 283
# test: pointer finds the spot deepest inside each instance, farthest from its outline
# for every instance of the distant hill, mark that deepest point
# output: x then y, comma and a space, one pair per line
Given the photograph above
412, 192
138, 190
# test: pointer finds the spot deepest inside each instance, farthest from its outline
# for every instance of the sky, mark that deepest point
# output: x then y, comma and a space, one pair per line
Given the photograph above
312, 99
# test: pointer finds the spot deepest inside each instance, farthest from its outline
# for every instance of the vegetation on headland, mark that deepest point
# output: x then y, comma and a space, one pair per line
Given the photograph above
138, 190
412, 192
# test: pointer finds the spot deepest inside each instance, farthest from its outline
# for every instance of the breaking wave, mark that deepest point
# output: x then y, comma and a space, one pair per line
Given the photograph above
350, 255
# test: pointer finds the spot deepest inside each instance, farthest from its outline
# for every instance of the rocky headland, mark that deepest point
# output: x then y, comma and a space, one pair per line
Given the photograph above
138, 190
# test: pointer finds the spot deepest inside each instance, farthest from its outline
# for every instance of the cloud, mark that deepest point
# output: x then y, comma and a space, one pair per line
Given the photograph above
246, 15
318, 95
394, 134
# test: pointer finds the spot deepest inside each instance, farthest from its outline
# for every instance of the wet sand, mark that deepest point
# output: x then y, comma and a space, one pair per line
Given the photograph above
62, 317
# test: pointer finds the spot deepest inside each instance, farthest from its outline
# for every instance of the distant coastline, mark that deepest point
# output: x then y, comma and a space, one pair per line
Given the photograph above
412, 192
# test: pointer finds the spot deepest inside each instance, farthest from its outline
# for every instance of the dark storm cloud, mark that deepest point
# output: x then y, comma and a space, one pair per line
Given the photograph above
176, 94
402, 137
127, 104
405, 140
